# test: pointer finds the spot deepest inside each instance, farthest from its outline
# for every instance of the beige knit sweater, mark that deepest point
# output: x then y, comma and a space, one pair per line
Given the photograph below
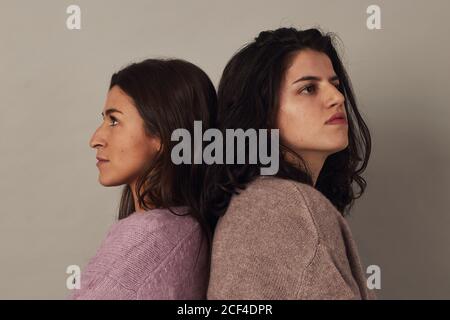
281, 239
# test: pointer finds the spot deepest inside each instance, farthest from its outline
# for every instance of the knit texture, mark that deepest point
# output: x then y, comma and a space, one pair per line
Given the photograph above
148, 255
281, 239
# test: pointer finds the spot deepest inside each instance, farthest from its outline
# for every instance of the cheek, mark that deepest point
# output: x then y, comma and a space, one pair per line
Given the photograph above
131, 155
136, 153
145, 149
297, 124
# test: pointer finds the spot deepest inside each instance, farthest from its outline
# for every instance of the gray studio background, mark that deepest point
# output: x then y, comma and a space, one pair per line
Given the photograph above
53, 211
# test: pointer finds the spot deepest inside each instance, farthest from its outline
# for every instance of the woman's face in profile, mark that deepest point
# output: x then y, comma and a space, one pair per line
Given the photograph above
305, 106
122, 141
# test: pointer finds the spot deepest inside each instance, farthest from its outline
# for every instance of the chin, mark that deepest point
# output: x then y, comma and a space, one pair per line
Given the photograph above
104, 181
339, 147
334, 147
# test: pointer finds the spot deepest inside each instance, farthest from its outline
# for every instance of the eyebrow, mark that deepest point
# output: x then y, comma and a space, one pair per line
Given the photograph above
109, 111
305, 78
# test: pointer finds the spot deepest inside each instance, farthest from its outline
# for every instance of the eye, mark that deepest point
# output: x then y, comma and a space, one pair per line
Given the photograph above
307, 88
113, 119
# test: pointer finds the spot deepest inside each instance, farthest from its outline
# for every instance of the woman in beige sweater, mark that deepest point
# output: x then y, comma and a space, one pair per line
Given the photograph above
284, 236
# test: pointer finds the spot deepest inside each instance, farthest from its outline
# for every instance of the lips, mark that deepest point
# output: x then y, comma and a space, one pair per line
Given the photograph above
101, 160
337, 116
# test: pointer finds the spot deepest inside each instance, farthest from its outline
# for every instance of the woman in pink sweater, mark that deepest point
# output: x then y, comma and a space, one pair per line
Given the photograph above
159, 248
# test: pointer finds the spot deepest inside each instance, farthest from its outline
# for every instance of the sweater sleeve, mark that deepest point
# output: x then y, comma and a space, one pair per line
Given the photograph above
267, 246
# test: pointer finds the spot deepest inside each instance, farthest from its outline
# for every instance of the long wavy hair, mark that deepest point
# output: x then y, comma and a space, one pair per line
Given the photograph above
168, 94
248, 97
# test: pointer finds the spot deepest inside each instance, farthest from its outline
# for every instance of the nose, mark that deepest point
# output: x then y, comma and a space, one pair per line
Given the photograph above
334, 97
97, 139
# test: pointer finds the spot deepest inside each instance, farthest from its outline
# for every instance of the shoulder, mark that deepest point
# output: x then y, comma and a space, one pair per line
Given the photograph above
153, 230
298, 211
268, 211
274, 189
276, 205
153, 221
266, 192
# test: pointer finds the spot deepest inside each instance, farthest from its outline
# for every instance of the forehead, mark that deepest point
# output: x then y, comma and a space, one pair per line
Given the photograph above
309, 63
118, 99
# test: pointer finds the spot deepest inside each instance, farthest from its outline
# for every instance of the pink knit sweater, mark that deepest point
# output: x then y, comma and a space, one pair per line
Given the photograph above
148, 255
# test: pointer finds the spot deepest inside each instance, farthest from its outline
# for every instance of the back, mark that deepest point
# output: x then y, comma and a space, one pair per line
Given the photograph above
148, 255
